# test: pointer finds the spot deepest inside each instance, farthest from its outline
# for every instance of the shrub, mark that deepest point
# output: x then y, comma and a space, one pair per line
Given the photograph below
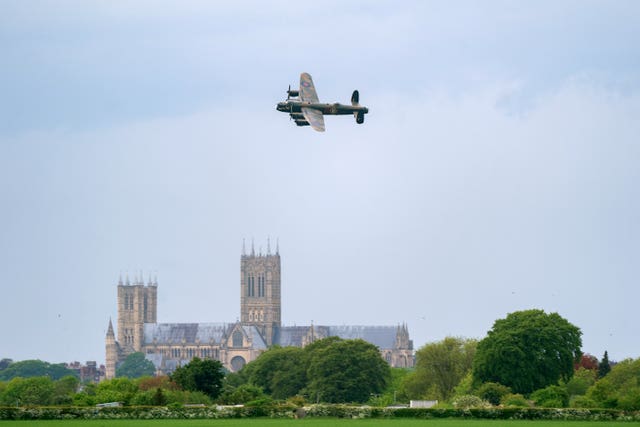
516, 400
469, 401
582, 402
492, 392
552, 396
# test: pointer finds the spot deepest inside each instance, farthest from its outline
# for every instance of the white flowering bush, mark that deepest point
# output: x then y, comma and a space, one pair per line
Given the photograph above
467, 401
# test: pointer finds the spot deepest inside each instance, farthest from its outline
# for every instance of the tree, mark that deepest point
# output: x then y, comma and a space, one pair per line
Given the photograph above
493, 392
440, 366
28, 391
115, 390
604, 367
4, 363
346, 371
64, 389
527, 351
242, 394
35, 368
587, 361
552, 396
200, 375
620, 388
581, 381
280, 372
161, 381
135, 366
395, 391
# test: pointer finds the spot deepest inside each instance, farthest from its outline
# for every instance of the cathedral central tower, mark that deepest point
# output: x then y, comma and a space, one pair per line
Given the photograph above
260, 302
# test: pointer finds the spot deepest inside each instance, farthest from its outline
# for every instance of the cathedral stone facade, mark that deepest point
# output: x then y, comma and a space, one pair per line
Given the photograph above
169, 345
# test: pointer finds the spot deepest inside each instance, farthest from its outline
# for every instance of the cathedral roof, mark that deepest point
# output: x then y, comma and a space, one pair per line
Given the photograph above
175, 333
384, 337
256, 339
287, 336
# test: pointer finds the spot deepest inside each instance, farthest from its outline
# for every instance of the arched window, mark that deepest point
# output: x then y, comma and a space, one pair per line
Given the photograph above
237, 340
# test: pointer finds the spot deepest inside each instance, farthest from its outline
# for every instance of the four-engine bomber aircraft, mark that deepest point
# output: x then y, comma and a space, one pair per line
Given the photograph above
305, 109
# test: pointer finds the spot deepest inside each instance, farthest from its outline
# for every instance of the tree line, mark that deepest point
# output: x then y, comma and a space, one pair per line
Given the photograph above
529, 358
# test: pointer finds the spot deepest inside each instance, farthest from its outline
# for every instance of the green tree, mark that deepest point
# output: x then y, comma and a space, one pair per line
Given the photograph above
205, 376
580, 382
620, 388
159, 398
395, 391
135, 366
280, 372
493, 392
86, 396
346, 371
4, 363
64, 389
35, 368
527, 351
115, 390
440, 366
553, 396
604, 367
242, 394
28, 391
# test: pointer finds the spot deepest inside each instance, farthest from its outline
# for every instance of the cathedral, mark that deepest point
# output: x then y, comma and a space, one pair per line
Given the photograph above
169, 345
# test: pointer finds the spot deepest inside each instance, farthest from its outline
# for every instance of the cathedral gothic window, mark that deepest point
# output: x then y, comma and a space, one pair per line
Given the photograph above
237, 339
251, 286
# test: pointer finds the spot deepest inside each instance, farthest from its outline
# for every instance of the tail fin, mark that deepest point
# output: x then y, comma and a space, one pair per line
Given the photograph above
359, 115
355, 97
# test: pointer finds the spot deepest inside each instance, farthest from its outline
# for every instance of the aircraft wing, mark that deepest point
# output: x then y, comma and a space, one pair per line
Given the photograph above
314, 117
307, 89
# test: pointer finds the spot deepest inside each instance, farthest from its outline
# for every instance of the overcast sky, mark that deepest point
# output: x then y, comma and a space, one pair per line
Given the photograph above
498, 169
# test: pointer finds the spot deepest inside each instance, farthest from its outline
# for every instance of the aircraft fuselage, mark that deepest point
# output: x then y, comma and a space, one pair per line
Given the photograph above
329, 109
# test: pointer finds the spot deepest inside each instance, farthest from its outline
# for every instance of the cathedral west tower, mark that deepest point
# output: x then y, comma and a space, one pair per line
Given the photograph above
137, 305
260, 302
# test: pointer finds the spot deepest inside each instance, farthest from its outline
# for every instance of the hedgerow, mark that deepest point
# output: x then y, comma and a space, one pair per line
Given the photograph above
279, 410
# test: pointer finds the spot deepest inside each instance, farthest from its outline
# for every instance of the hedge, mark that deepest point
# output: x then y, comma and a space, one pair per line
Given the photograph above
274, 410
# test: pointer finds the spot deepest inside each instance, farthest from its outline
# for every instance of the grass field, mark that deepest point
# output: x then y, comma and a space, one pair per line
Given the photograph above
315, 422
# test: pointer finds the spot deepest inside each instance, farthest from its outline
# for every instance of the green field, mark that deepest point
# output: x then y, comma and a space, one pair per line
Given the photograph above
315, 422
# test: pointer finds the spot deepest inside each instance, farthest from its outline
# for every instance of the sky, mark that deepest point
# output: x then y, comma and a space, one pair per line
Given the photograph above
498, 169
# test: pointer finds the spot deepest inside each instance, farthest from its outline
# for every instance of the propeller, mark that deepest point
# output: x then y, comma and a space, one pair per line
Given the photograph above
288, 92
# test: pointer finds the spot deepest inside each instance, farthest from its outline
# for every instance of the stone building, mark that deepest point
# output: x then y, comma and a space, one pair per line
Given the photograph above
169, 345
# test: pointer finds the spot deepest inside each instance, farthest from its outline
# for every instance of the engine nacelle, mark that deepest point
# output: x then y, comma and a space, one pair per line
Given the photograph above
293, 92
